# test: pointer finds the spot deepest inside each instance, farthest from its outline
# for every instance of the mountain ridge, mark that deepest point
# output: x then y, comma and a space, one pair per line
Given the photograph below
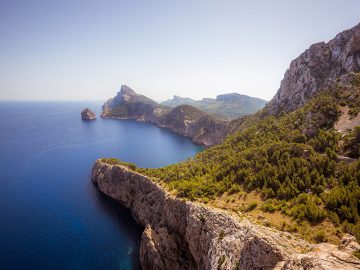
185, 120
316, 69
230, 105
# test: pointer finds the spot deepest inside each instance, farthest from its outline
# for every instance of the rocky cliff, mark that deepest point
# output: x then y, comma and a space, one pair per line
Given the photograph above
184, 120
317, 68
186, 235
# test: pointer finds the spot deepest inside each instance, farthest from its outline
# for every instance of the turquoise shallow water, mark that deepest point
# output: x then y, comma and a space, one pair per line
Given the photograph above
51, 216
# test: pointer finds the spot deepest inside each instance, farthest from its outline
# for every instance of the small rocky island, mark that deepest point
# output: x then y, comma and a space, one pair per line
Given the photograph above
87, 114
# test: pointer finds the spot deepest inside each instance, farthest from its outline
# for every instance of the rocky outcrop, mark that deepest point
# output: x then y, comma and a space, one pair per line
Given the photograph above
184, 120
186, 235
317, 68
87, 114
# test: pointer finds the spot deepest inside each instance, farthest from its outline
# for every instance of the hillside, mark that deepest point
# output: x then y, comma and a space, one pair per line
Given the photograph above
227, 105
287, 166
185, 120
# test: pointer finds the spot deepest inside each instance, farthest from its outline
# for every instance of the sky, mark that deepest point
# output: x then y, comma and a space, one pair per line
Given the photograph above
85, 50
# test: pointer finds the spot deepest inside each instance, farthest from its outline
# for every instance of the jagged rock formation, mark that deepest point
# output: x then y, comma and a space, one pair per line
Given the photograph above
186, 235
316, 68
184, 120
87, 114
227, 105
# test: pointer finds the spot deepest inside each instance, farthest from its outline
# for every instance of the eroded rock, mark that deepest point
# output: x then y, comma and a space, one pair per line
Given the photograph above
187, 235
316, 68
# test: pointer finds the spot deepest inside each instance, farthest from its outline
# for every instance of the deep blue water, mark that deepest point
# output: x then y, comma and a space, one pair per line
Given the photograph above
51, 215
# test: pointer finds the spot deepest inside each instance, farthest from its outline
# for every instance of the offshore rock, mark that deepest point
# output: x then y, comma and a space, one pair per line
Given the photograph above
87, 114
181, 234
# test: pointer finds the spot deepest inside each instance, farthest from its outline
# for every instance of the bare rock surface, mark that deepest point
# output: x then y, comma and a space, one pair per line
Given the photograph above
316, 68
345, 122
87, 114
186, 235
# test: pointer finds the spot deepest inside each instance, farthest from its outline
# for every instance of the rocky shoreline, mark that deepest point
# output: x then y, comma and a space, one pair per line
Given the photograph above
181, 234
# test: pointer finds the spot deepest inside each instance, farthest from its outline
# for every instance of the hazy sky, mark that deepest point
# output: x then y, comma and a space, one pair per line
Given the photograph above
84, 50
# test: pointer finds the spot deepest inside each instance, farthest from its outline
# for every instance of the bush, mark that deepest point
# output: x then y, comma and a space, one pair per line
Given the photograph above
320, 236
251, 207
305, 208
221, 234
270, 206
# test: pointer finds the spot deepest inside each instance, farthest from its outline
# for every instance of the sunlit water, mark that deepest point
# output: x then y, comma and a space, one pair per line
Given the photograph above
51, 215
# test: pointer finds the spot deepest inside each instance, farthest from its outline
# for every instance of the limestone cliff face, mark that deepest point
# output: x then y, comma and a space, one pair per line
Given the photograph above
185, 235
316, 68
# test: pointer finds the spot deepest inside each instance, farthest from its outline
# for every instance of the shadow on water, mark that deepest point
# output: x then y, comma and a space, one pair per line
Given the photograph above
51, 215
125, 222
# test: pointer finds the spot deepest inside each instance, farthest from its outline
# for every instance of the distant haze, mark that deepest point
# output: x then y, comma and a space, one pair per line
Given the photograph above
84, 50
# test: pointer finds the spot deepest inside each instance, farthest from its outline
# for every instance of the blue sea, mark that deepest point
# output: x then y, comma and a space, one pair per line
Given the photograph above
51, 215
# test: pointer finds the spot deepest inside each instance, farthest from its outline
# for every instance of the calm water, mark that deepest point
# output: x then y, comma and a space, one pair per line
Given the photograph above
51, 216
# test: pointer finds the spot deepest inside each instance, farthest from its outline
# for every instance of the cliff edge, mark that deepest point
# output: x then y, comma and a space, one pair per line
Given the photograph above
186, 235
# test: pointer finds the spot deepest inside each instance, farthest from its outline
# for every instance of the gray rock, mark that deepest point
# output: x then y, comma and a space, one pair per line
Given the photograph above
317, 68
87, 114
186, 235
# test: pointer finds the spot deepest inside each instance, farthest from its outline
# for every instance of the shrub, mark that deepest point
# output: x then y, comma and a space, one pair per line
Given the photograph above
251, 207
270, 206
320, 236
221, 261
221, 234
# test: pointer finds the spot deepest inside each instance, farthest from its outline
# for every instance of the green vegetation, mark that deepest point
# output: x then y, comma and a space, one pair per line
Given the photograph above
352, 143
357, 254
251, 207
115, 161
290, 160
221, 235
221, 261
320, 236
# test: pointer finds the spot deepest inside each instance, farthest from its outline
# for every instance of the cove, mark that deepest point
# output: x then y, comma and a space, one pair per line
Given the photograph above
51, 215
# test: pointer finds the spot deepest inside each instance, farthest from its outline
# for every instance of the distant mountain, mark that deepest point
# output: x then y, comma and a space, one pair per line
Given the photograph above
186, 120
227, 105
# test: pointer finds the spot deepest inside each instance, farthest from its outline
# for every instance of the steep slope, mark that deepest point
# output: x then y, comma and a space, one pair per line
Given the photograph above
294, 166
227, 105
316, 69
186, 235
185, 120
129, 105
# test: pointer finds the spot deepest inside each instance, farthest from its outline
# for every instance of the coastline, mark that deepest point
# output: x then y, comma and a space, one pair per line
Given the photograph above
187, 235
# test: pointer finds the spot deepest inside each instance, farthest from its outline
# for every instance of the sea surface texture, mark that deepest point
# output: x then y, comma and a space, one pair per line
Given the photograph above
51, 215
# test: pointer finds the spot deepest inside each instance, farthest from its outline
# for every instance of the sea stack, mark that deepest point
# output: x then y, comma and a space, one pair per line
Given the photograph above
87, 114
